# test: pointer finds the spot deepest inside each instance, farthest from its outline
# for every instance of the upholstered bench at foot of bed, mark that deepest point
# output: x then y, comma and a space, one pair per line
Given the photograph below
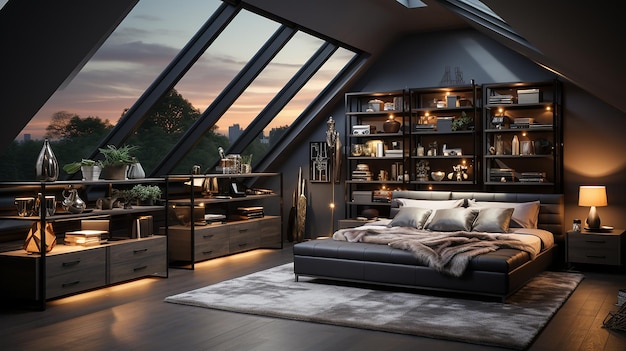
498, 273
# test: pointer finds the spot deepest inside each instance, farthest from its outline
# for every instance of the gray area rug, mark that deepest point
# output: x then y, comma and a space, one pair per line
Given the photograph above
274, 293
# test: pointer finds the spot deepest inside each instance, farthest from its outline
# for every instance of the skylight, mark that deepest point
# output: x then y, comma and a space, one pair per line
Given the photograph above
479, 13
412, 3
479, 5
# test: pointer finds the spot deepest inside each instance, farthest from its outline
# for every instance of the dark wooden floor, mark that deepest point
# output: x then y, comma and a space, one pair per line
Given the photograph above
133, 316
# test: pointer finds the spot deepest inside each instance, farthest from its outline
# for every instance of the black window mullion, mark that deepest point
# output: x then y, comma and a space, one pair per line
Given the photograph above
314, 112
223, 102
283, 97
170, 76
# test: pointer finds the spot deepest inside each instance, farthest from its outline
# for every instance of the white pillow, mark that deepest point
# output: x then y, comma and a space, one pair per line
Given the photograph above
525, 214
430, 204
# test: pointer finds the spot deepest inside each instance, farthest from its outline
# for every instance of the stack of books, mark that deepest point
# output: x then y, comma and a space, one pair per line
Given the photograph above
532, 177
249, 212
394, 153
502, 175
85, 237
500, 99
213, 218
361, 175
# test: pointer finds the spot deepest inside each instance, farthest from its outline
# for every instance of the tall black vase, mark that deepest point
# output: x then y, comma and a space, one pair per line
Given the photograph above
47, 166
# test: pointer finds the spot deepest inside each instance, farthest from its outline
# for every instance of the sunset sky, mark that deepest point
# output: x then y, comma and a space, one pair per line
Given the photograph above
151, 36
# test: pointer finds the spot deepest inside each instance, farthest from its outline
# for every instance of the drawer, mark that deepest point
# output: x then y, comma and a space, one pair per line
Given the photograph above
74, 272
271, 232
595, 249
137, 248
244, 236
137, 268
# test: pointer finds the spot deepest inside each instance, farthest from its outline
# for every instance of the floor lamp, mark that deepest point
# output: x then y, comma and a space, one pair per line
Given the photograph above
332, 139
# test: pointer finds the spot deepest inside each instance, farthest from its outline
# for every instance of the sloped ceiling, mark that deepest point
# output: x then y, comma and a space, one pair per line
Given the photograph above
579, 40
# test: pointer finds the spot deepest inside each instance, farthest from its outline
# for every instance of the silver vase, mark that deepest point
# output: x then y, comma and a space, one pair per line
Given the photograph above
47, 166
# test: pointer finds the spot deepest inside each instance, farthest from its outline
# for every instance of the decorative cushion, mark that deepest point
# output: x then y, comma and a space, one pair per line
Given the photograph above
525, 214
452, 219
493, 220
410, 217
430, 204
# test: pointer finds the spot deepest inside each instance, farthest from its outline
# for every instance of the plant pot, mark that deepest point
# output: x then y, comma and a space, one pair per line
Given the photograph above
114, 172
147, 202
91, 172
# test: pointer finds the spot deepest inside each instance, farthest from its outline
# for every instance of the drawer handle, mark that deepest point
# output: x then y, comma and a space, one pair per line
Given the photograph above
207, 236
599, 257
67, 285
243, 230
243, 244
207, 252
71, 263
140, 250
139, 268
596, 241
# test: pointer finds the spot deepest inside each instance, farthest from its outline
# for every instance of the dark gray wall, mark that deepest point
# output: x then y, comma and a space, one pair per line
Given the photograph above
592, 153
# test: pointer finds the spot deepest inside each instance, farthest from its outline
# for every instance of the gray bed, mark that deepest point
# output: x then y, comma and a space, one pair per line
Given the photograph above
499, 273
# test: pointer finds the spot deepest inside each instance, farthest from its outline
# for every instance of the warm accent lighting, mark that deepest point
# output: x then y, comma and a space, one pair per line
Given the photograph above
592, 196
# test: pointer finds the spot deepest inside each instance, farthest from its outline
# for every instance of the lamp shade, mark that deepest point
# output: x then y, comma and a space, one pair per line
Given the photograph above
592, 196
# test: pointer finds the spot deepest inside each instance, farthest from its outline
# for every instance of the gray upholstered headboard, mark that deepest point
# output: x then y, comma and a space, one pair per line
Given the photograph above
551, 211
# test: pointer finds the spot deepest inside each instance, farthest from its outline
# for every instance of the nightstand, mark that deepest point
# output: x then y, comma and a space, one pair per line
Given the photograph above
605, 248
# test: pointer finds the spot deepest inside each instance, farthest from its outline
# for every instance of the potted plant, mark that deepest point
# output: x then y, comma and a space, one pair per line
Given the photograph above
463, 123
146, 194
91, 169
116, 161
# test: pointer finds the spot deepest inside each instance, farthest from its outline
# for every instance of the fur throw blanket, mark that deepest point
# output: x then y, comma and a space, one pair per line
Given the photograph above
446, 252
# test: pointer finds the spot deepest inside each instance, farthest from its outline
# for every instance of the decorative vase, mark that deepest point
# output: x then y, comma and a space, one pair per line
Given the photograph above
47, 166
135, 171
391, 126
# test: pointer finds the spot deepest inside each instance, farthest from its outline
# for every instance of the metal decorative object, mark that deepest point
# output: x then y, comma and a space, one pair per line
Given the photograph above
47, 166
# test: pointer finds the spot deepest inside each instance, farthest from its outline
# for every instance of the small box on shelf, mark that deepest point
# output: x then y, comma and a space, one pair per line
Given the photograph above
528, 96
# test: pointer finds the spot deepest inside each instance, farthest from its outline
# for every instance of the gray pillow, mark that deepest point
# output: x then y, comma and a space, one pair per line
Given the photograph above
493, 220
410, 217
452, 219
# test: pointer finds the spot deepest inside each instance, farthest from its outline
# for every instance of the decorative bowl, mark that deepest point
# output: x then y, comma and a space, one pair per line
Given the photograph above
438, 175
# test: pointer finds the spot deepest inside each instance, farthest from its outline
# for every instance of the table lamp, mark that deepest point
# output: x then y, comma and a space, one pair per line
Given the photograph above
592, 196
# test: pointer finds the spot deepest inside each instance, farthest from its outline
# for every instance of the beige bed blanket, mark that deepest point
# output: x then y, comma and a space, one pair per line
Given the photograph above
446, 252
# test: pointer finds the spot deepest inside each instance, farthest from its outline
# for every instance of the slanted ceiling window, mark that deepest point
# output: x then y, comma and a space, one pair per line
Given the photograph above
180, 81
481, 14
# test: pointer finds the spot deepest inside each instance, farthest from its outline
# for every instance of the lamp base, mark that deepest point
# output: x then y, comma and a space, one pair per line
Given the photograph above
593, 219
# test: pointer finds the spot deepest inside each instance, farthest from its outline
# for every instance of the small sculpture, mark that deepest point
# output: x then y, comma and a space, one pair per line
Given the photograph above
422, 169
459, 173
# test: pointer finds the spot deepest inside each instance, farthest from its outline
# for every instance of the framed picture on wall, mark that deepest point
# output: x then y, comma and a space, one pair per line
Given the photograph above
318, 161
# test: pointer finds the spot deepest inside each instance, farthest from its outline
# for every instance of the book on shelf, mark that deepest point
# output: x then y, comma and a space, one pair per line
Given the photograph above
85, 237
